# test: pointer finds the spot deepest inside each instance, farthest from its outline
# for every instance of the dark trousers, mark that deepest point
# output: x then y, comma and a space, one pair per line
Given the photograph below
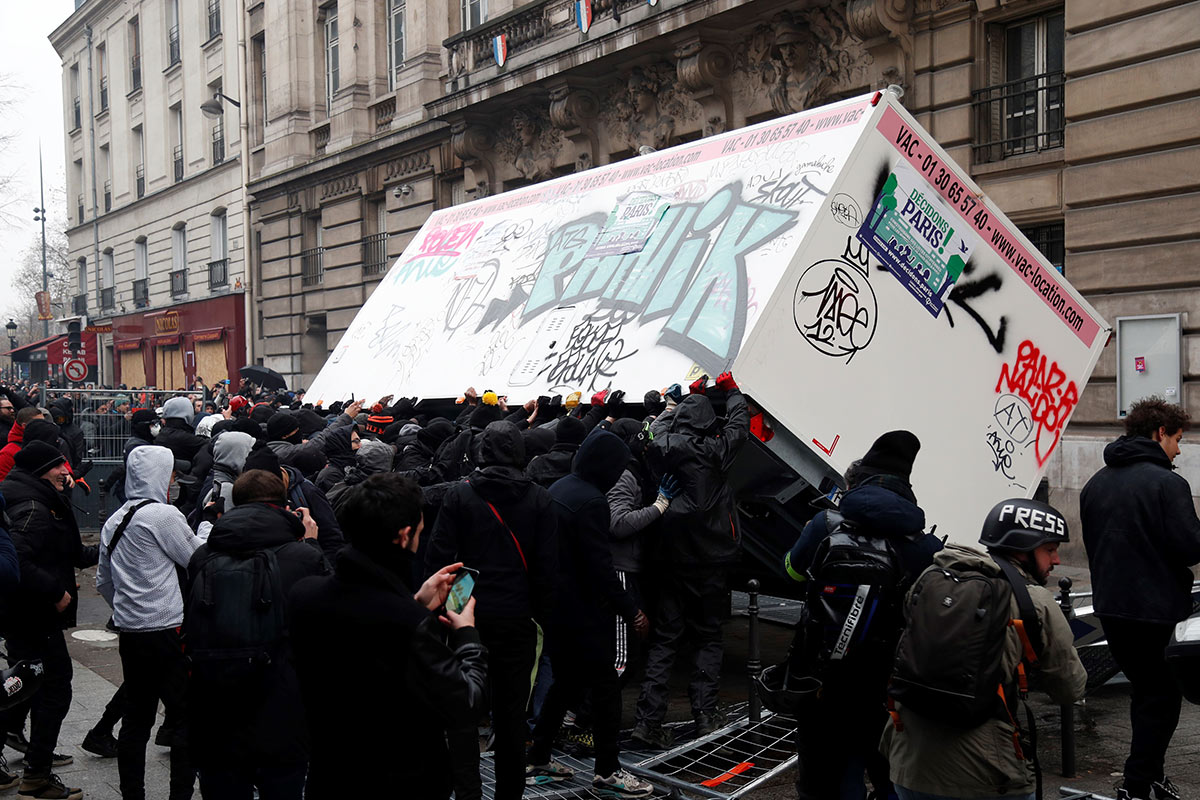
49, 705
273, 783
152, 663
691, 603
1154, 706
512, 653
836, 740
581, 667
115, 710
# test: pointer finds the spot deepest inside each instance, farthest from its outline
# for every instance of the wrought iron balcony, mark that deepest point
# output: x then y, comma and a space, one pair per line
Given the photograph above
107, 298
79, 305
141, 293
178, 283
1020, 116
214, 18
173, 46
218, 273
374, 254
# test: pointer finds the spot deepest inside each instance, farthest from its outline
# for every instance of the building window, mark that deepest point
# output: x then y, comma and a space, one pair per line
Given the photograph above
81, 281
395, 34
139, 170
218, 265
474, 12
332, 76
135, 55
172, 32
177, 141
1048, 239
260, 56
102, 63
76, 117
141, 269
1023, 112
374, 245
106, 170
179, 260
312, 260
218, 141
107, 299
214, 18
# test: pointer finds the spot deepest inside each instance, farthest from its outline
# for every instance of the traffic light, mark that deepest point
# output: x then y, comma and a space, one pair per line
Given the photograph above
74, 337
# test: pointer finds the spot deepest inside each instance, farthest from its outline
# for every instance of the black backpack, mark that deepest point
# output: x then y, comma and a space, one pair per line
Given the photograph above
855, 590
947, 665
234, 626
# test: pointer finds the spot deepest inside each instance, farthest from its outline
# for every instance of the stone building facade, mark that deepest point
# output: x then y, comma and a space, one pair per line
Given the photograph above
154, 188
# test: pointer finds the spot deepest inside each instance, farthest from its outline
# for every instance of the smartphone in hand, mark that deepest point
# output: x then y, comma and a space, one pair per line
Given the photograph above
460, 591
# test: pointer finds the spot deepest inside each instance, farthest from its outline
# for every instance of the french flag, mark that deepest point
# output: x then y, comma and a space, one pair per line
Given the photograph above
583, 14
500, 49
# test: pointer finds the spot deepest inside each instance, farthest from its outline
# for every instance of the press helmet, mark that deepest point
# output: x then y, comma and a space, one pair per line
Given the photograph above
1022, 526
19, 682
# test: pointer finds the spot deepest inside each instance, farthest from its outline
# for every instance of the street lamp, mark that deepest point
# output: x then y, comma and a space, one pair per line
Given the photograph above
39, 215
212, 109
12, 334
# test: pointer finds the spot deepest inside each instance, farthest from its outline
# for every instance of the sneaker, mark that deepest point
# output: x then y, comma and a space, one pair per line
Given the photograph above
655, 737
622, 784
61, 759
1123, 794
1165, 790
8, 779
709, 723
580, 740
46, 787
100, 744
17, 741
538, 774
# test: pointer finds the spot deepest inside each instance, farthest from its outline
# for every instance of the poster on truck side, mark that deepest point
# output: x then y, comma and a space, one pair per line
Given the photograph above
914, 303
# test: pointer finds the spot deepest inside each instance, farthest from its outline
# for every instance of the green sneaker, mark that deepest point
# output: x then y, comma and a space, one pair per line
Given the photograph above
539, 774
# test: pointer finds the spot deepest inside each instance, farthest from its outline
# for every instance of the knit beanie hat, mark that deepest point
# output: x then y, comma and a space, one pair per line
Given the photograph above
569, 431
38, 458
436, 432
39, 430
264, 458
283, 427
310, 422
485, 415
378, 422
893, 454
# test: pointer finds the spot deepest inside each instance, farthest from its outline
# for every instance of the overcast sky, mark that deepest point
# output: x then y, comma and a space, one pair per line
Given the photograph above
32, 79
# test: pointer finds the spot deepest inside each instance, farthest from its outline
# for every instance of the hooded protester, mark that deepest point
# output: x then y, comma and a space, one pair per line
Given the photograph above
501, 523
142, 545
419, 454
16, 436
49, 549
538, 441
255, 737
301, 493
145, 426
261, 413
373, 458
229, 455
341, 449
412, 681
590, 597
545, 470
64, 416
840, 735
286, 439
457, 455
700, 543
177, 433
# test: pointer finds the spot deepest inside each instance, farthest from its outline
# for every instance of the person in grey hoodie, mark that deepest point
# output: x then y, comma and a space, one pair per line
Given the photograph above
229, 455
137, 576
372, 457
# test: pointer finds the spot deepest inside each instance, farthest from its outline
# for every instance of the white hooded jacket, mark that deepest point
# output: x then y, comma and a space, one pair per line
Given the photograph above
139, 579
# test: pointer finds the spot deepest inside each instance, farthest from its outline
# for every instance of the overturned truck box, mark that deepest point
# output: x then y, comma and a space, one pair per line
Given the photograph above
849, 273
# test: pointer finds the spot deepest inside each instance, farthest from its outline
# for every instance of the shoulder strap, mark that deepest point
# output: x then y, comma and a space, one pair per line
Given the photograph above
112, 545
1029, 627
833, 520
520, 552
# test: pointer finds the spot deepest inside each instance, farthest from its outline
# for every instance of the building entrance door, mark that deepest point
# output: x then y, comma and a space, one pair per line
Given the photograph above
170, 368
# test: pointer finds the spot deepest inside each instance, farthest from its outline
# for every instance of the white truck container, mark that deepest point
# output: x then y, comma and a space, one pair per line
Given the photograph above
850, 274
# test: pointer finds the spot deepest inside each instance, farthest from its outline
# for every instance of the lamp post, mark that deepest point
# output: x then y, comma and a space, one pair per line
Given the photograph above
12, 345
39, 215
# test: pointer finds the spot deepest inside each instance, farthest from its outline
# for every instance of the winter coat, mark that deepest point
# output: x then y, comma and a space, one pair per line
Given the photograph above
1140, 529
46, 536
374, 457
589, 591
408, 681
9, 452
303, 493
932, 757
138, 578
10, 565
629, 517
517, 578
700, 528
288, 452
267, 729
71, 433
177, 436
339, 450
229, 454
545, 470
878, 511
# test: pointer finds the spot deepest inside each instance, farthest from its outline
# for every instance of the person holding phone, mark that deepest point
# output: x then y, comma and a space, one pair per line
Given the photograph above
384, 669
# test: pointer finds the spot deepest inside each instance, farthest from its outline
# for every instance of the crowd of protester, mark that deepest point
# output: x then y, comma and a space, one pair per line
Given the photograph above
282, 578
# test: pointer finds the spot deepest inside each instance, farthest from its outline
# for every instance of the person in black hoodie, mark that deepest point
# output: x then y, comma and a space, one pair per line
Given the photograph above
590, 596
301, 493
49, 549
64, 416
1140, 528
501, 523
241, 740
418, 455
545, 470
839, 737
411, 679
700, 542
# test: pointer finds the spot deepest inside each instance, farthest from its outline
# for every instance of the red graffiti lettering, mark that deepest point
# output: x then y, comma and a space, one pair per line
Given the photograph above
448, 241
1043, 385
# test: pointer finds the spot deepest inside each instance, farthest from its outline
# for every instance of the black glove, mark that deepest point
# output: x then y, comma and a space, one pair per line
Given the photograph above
654, 403
614, 404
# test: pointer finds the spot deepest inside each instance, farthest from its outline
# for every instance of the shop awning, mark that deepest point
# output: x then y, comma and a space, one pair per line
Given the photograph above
208, 335
128, 344
165, 341
24, 349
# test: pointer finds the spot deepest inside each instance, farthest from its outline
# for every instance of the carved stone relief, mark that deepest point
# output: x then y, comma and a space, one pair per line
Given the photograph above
530, 144
645, 111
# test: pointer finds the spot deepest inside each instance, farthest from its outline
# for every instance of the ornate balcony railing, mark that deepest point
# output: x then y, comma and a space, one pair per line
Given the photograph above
374, 254
385, 112
218, 273
173, 46
178, 283
141, 293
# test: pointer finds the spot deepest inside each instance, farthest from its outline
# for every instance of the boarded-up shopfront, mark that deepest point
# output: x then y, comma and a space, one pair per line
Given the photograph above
169, 349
